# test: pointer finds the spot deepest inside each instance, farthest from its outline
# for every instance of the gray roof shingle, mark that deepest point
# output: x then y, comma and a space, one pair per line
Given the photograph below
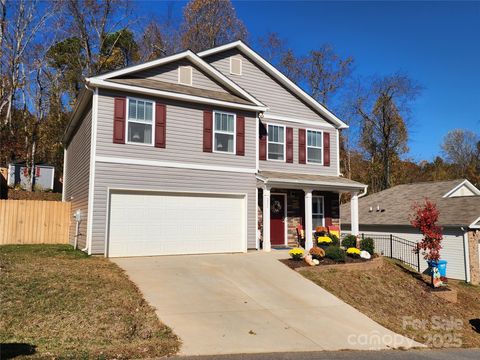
397, 204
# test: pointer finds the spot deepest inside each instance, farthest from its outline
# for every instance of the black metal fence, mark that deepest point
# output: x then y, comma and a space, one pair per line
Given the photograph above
395, 247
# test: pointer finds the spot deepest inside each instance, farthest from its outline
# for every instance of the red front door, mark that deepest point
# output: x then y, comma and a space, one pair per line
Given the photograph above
277, 220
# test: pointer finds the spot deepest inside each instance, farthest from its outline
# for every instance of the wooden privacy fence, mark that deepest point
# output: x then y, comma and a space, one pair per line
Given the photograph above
34, 222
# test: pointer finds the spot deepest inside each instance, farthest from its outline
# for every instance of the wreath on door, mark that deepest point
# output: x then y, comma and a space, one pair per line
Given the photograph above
276, 206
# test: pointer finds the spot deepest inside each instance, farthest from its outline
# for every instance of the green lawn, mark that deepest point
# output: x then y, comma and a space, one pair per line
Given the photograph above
61, 303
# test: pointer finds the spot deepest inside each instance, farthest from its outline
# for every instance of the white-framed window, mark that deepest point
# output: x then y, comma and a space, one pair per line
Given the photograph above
235, 66
318, 211
224, 132
276, 142
185, 75
140, 115
315, 146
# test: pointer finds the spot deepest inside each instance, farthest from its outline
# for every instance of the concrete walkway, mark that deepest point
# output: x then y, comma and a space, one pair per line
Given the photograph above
250, 303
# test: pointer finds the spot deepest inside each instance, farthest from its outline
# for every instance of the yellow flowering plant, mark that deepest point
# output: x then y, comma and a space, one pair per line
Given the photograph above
324, 240
296, 253
353, 252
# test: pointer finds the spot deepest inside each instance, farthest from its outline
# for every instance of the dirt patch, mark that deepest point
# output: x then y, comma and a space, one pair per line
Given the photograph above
60, 303
400, 299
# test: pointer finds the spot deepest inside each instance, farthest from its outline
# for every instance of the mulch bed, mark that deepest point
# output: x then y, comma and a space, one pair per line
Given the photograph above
295, 264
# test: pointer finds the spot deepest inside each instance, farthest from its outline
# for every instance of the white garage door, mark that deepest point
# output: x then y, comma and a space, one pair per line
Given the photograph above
144, 224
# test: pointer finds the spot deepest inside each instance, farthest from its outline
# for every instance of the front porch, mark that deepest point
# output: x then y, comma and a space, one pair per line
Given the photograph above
287, 200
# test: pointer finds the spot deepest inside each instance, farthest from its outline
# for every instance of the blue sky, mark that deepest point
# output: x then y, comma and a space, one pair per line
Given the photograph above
435, 43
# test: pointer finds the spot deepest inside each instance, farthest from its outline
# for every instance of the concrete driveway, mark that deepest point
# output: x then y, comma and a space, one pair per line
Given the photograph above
250, 303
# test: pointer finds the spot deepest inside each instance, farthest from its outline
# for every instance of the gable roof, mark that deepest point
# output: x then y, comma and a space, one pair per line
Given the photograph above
465, 183
276, 74
180, 89
396, 205
102, 80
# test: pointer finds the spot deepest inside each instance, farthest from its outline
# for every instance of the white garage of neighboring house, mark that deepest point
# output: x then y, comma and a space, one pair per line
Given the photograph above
388, 213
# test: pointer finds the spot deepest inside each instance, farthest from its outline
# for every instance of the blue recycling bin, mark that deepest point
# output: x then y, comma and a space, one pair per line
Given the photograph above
441, 265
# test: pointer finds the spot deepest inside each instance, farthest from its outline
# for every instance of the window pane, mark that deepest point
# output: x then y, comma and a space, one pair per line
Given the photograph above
148, 111
230, 123
132, 109
275, 151
314, 155
314, 138
139, 133
317, 220
224, 142
281, 134
218, 121
315, 206
270, 133
224, 123
140, 110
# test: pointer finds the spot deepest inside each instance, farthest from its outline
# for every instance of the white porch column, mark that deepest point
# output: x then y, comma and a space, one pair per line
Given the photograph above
354, 213
308, 220
266, 219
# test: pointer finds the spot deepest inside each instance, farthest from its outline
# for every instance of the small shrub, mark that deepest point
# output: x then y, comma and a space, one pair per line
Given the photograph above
349, 241
353, 252
367, 244
317, 253
335, 253
296, 253
335, 239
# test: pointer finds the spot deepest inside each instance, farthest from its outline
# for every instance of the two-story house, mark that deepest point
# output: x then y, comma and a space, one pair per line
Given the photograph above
200, 153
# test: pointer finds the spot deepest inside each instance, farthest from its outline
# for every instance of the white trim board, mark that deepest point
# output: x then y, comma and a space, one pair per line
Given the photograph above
277, 75
173, 164
91, 181
269, 116
195, 59
171, 95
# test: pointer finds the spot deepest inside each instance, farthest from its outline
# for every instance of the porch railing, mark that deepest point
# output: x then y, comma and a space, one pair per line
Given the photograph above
397, 248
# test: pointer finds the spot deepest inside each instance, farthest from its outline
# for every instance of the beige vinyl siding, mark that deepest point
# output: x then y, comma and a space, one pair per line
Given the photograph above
184, 141
262, 86
452, 245
169, 73
273, 165
140, 177
76, 175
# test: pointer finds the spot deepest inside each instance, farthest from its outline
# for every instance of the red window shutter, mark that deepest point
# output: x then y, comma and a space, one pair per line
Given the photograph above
119, 113
326, 149
160, 125
302, 148
289, 141
240, 135
207, 130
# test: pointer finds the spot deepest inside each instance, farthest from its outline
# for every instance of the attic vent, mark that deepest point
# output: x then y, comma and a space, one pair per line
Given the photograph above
235, 66
185, 75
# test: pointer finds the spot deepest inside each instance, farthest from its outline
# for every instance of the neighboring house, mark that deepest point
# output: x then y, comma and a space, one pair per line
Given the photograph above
185, 154
44, 176
458, 201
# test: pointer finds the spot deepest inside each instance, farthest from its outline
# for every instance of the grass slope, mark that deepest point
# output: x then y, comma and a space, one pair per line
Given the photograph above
57, 302
391, 293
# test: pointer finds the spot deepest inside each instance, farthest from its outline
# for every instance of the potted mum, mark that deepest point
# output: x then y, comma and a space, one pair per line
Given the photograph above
425, 219
296, 254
